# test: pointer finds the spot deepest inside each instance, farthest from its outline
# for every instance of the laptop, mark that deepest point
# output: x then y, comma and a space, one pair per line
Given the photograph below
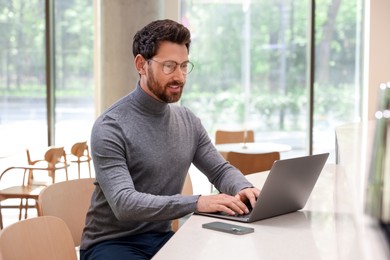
286, 189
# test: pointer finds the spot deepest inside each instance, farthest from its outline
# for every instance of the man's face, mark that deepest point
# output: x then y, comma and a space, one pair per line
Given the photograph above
165, 87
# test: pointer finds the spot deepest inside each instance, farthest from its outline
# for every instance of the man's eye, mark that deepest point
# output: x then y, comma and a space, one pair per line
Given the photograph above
169, 65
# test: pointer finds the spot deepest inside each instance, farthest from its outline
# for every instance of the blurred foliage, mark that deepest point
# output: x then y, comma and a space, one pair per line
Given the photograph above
278, 95
22, 53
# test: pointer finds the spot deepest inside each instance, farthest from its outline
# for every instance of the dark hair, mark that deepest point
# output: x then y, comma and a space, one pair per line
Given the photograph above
147, 40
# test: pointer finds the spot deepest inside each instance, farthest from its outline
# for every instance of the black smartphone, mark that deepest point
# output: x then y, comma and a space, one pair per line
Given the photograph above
228, 228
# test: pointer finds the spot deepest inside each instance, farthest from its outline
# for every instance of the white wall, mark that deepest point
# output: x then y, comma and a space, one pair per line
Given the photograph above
376, 53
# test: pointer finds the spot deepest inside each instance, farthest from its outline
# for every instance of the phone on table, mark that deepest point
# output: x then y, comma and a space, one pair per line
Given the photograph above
228, 228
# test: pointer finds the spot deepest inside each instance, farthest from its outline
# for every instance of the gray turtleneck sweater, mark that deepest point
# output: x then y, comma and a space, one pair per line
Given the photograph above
142, 149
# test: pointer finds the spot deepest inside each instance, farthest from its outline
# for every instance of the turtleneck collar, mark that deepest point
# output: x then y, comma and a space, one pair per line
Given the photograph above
148, 103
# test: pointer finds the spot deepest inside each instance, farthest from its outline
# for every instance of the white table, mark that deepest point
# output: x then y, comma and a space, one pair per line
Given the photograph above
253, 147
329, 227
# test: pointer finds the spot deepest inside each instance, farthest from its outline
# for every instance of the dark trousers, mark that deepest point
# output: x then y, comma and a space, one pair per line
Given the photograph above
143, 246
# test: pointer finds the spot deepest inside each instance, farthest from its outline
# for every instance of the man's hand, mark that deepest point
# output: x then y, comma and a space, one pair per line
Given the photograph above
222, 202
250, 194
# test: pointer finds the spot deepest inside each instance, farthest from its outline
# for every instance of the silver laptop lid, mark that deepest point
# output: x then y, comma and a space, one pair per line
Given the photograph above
288, 186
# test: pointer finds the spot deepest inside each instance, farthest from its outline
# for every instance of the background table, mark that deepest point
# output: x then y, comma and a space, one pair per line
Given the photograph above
253, 147
329, 227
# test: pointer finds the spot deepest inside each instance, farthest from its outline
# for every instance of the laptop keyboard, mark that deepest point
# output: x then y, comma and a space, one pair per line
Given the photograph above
235, 215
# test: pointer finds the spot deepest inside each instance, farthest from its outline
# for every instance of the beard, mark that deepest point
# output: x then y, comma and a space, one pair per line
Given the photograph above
161, 91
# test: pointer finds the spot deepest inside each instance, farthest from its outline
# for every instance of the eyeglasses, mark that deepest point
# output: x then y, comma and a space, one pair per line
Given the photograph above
170, 66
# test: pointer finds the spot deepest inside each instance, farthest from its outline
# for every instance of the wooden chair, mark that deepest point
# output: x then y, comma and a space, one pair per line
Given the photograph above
54, 159
187, 191
23, 192
250, 163
39, 238
68, 200
80, 154
227, 137
29, 187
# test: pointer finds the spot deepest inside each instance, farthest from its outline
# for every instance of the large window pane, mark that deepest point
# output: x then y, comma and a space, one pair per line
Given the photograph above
22, 75
338, 68
251, 67
23, 88
74, 111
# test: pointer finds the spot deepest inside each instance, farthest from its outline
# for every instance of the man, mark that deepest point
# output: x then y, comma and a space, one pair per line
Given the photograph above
142, 148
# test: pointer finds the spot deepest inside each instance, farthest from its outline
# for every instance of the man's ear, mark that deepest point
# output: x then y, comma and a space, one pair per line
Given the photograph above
139, 63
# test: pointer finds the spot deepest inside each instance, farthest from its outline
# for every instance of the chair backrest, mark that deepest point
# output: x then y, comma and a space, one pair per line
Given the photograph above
250, 163
43, 238
225, 137
68, 200
55, 155
53, 159
187, 188
80, 149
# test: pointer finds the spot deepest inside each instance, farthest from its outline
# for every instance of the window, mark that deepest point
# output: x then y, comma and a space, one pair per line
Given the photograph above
251, 67
74, 112
22, 75
23, 88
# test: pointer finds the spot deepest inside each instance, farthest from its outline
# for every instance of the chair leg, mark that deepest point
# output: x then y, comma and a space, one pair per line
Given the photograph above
78, 167
20, 209
26, 209
1, 219
37, 208
66, 173
89, 169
